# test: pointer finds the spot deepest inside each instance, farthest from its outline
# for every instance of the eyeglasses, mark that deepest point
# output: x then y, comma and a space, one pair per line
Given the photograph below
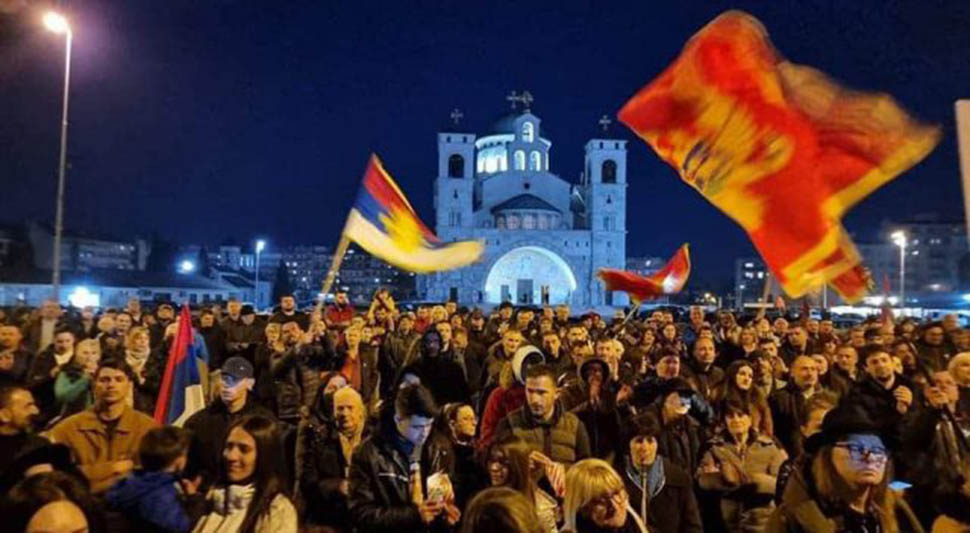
606, 503
876, 454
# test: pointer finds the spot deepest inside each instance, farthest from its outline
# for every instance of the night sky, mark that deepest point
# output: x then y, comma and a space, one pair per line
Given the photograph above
215, 119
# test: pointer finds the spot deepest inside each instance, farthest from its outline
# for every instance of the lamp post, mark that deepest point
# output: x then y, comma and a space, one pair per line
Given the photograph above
899, 239
260, 245
56, 23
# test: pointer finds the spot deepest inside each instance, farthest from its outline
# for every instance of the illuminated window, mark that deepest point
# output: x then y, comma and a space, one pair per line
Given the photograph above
528, 132
535, 161
528, 222
519, 160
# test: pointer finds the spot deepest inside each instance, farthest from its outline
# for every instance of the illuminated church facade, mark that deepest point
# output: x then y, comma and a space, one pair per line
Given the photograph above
544, 236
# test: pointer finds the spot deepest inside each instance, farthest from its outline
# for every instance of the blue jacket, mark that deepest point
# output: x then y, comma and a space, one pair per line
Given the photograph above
151, 498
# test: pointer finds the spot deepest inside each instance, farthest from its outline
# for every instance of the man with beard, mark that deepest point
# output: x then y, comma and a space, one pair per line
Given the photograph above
287, 313
209, 425
164, 315
14, 360
788, 405
394, 351
476, 328
885, 396
325, 464
700, 371
543, 424
105, 438
339, 314
438, 372
17, 414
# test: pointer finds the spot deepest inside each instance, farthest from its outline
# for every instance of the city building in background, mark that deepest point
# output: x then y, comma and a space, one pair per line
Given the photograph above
86, 252
544, 236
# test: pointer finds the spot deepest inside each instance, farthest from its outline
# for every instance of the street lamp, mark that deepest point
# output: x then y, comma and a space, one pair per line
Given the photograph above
899, 239
260, 245
56, 23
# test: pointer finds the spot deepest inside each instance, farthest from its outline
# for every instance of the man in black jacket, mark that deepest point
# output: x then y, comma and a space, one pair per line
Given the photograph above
325, 463
209, 425
881, 393
788, 404
389, 471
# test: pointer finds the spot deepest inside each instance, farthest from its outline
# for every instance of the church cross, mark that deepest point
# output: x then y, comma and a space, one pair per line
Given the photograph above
525, 98
457, 115
605, 122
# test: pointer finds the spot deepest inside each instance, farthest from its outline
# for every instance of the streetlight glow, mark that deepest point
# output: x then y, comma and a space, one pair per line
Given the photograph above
260, 246
56, 22
186, 266
899, 239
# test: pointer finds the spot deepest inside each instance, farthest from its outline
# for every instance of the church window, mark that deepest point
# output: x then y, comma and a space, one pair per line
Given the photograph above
609, 199
481, 164
528, 222
535, 161
500, 222
513, 222
601, 144
528, 132
448, 139
454, 194
606, 223
456, 166
519, 160
526, 186
544, 222
547, 160
609, 171
503, 162
490, 164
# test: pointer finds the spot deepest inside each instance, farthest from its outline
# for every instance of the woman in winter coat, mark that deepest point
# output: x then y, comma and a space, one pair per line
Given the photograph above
251, 496
841, 483
743, 466
661, 493
738, 386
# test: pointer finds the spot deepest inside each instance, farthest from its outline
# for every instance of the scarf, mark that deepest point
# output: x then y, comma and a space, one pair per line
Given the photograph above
136, 360
650, 482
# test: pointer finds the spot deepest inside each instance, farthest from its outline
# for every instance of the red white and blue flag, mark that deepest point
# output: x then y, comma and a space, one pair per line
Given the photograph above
384, 223
181, 394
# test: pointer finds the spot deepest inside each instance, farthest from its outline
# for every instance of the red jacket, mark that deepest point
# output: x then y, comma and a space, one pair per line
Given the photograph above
500, 403
338, 315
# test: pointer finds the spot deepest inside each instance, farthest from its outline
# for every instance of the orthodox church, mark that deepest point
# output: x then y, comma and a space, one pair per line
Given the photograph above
544, 236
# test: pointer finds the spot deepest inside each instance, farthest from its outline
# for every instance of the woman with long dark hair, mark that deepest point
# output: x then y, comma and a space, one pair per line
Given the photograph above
251, 495
510, 464
739, 386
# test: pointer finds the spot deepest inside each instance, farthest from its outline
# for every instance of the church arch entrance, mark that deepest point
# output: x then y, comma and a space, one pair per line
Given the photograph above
530, 275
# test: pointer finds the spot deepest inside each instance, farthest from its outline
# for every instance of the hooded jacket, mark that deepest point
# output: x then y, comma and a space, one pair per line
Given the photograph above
671, 506
149, 500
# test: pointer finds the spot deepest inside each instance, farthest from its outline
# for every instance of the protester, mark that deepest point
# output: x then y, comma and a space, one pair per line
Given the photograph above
148, 497
500, 509
512, 463
597, 502
391, 471
105, 438
661, 493
210, 425
251, 493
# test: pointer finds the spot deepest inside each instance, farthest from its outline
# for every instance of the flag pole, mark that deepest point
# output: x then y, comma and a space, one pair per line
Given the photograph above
338, 258
764, 296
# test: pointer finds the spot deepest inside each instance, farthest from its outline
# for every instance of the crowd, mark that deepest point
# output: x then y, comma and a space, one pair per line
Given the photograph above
453, 419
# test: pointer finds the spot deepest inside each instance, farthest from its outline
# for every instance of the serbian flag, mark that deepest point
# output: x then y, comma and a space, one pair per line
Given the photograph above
778, 147
668, 280
384, 223
181, 394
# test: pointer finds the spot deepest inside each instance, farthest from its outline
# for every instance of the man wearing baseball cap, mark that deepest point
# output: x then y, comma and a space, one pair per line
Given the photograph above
209, 425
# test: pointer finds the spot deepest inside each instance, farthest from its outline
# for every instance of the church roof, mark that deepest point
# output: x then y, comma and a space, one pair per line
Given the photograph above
525, 201
506, 124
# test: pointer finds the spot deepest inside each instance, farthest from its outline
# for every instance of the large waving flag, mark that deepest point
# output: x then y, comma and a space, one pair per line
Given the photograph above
668, 280
384, 223
181, 394
778, 147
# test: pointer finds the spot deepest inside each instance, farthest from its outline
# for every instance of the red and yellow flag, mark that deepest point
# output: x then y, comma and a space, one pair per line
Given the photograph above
668, 280
778, 147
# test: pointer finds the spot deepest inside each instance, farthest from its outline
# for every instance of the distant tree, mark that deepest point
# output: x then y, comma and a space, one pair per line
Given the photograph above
202, 265
282, 285
163, 255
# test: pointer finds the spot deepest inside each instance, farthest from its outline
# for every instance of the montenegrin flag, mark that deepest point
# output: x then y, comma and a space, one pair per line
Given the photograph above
778, 147
181, 394
384, 223
668, 280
